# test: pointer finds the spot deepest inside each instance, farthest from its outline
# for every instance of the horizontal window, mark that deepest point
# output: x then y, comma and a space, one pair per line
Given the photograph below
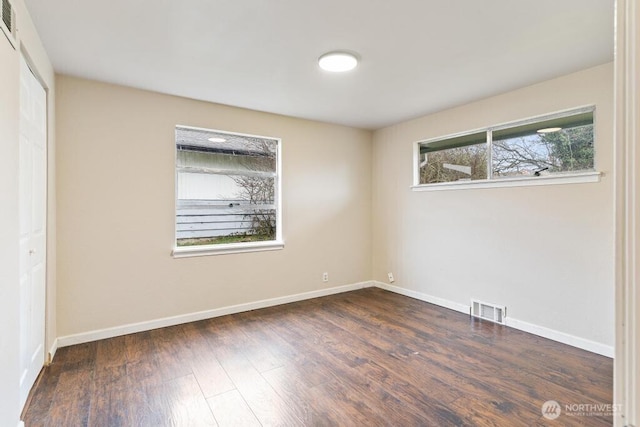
227, 192
562, 143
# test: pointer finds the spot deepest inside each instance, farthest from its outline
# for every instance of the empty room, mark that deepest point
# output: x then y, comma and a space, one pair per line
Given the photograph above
362, 213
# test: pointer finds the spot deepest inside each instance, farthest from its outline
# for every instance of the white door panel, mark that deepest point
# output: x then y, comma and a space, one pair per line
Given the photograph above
33, 214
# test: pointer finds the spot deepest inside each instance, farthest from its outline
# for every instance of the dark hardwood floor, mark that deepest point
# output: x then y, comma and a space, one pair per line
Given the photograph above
363, 358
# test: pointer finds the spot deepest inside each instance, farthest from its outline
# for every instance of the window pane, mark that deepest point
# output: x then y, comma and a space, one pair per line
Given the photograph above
562, 144
226, 188
455, 164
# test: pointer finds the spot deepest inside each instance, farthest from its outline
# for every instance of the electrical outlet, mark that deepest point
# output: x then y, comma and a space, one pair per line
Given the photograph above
325, 277
391, 279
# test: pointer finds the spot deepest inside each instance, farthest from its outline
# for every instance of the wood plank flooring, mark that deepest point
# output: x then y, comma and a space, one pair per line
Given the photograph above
362, 358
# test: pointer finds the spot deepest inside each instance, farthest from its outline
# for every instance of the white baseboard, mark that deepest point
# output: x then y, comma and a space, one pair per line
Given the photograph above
201, 315
540, 331
52, 352
552, 334
424, 297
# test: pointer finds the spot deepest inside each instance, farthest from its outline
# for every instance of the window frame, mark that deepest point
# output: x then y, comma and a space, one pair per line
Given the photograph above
576, 177
230, 248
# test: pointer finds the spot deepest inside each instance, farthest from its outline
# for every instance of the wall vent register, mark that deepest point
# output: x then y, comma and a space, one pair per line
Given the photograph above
8, 21
490, 312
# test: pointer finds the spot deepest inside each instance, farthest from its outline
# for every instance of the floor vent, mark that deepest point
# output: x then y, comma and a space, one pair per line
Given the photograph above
491, 312
8, 21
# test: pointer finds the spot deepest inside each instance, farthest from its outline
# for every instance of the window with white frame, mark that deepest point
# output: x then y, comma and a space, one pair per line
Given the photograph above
227, 191
553, 145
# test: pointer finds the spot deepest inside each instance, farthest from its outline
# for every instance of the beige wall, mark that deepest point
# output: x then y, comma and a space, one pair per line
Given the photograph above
546, 252
116, 184
30, 44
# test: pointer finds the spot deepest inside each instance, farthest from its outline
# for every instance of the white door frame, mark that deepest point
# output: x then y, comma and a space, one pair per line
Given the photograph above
627, 209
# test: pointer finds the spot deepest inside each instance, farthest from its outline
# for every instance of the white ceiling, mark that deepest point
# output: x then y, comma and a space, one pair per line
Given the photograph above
418, 56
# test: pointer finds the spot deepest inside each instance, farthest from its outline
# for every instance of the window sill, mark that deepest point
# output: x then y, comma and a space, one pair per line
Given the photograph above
574, 178
231, 248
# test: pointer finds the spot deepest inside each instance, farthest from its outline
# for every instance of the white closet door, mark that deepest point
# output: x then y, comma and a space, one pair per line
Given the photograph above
33, 209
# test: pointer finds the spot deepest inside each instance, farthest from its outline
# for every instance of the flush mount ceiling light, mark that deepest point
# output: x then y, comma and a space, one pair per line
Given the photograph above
549, 130
338, 62
214, 139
